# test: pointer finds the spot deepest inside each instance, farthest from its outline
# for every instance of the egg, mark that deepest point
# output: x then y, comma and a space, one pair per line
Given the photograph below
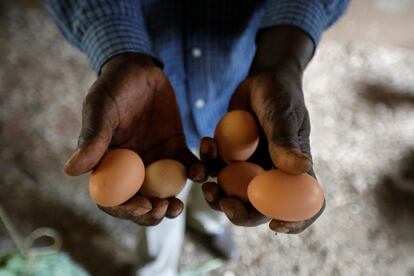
284, 196
235, 178
117, 177
237, 136
164, 178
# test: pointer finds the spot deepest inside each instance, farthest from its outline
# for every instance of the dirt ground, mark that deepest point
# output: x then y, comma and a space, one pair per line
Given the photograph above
360, 94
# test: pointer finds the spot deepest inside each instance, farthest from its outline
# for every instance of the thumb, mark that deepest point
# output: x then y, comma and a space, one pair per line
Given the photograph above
287, 143
289, 159
92, 146
94, 139
282, 119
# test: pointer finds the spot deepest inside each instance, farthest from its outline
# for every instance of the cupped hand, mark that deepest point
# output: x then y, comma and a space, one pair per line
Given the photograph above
276, 99
132, 105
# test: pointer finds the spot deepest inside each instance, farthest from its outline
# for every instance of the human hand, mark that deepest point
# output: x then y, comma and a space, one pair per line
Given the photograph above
132, 105
273, 93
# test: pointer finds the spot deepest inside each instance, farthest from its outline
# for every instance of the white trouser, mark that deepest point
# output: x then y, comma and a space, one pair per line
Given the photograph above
159, 247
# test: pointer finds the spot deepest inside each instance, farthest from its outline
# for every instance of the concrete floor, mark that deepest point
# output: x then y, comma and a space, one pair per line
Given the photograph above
360, 93
381, 22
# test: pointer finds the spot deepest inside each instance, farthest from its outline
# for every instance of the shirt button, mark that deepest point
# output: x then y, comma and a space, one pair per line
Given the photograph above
200, 103
196, 52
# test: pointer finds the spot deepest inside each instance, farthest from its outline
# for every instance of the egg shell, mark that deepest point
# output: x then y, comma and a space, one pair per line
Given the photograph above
235, 178
164, 178
237, 136
284, 196
117, 177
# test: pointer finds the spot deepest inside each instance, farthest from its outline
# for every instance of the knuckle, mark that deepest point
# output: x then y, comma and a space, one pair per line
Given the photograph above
145, 220
115, 212
86, 133
138, 221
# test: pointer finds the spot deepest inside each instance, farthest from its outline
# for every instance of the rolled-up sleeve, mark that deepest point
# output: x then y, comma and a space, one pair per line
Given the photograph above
102, 28
312, 16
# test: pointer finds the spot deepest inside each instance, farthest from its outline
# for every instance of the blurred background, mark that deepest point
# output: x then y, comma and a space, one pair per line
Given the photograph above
360, 93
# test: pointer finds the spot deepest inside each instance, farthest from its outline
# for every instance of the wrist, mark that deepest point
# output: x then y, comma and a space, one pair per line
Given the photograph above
127, 59
282, 48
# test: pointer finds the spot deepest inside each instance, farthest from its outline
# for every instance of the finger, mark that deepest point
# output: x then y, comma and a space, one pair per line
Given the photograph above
97, 126
134, 207
255, 217
304, 142
280, 113
175, 207
159, 208
187, 158
294, 227
213, 194
312, 173
234, 209
210, 157
284, 147
240, 213
208, 149
306, 150
88, 154
196, 171
155, 216
290, 160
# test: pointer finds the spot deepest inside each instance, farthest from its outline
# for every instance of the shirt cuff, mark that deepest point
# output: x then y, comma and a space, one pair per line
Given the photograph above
307, 15
114, 35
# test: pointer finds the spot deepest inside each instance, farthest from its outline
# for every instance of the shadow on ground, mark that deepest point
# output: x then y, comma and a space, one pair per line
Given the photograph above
395, 198
394, 194
88, 245
386, 94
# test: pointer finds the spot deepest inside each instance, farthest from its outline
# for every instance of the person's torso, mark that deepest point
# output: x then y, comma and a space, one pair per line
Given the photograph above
207, 48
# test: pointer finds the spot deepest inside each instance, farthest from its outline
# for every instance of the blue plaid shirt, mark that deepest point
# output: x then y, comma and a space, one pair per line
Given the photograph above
206, 47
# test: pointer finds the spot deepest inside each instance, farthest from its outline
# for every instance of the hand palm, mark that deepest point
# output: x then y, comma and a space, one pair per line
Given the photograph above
149, 123
284, 144
132, 105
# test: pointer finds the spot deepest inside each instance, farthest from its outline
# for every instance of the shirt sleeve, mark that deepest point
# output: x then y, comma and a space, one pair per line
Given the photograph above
312, 16
102, 28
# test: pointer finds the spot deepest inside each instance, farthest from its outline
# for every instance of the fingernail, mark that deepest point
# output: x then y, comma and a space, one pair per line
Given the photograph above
229, 213
208, 196
282, 230
198, 173
300, 161
73, 157
141, 211
175, 213
204, 148
159, 212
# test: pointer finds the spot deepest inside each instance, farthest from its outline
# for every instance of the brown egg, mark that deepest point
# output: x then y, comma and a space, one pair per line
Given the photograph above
117, 178
235, 178
164, 178
237, 136
284, 196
